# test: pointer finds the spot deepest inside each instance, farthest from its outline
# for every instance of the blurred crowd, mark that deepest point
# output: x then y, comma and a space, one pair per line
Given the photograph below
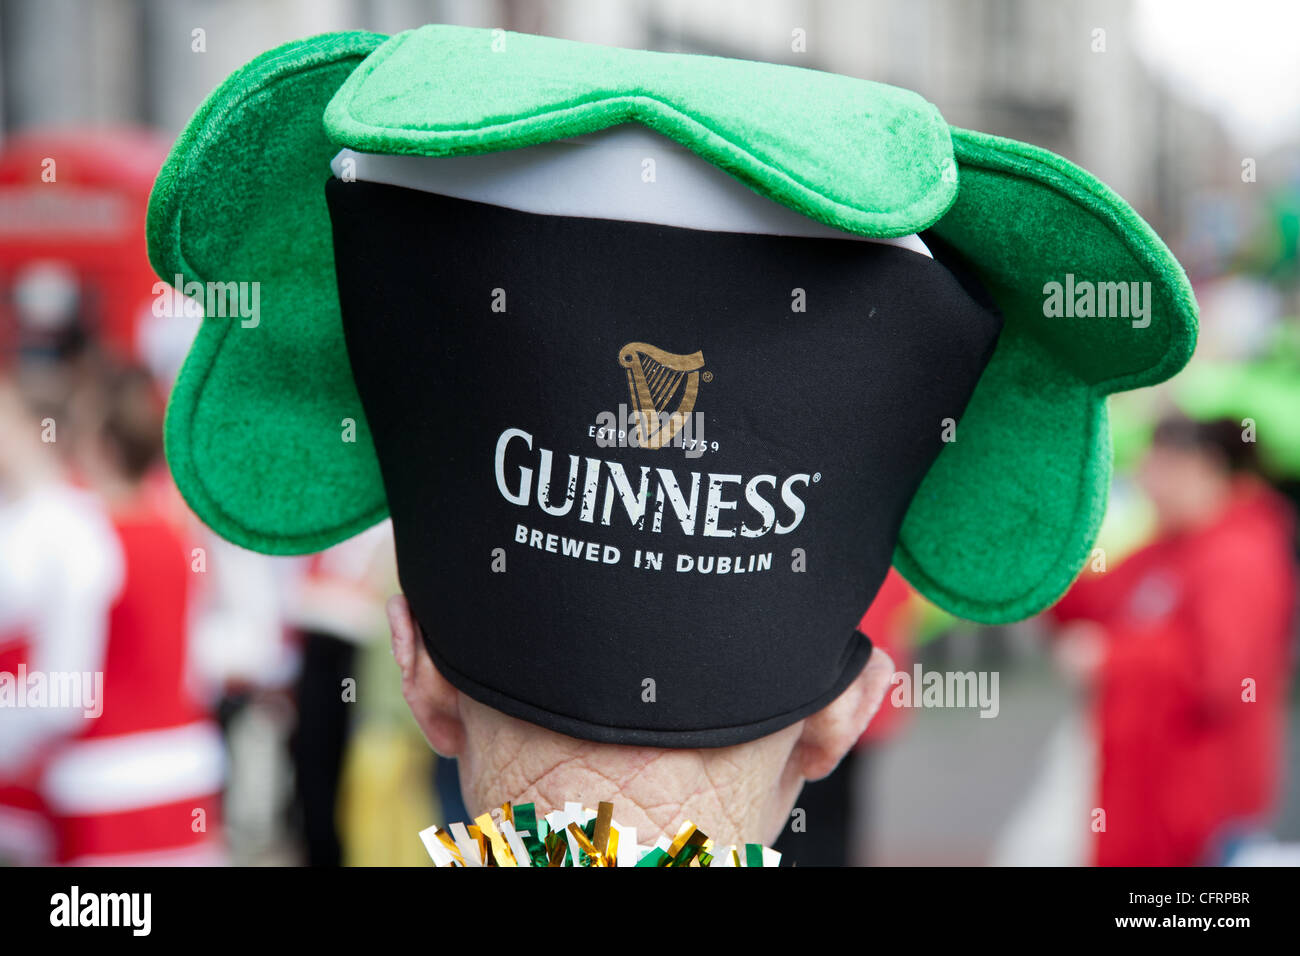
166, 697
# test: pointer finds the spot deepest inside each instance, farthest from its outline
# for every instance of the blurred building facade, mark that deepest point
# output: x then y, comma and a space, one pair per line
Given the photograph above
1065, 75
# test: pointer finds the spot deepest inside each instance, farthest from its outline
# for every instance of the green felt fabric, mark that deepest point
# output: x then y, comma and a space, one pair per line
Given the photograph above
1008, 513
254, 430
862, 156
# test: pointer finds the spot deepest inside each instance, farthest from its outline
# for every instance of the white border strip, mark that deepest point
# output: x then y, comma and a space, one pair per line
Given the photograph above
136, 771
627, 173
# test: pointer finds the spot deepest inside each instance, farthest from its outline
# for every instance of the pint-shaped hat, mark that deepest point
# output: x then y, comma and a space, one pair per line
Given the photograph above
648, 464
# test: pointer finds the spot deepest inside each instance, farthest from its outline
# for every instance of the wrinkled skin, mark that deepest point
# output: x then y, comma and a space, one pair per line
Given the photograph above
734, 794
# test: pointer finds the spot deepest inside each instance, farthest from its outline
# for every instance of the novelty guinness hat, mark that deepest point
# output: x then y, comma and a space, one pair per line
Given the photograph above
992, 526
647, 469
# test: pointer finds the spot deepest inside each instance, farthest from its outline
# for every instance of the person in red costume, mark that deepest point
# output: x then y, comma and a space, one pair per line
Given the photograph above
141, 783
60, 567
135, 779
1187, 646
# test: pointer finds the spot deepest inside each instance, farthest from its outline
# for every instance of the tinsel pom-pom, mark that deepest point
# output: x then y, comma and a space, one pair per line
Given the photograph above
514, 835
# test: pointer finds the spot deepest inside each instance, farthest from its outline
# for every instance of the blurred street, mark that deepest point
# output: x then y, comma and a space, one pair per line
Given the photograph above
977, 773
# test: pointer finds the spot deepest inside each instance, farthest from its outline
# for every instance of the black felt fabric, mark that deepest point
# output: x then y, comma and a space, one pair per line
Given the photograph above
841, 405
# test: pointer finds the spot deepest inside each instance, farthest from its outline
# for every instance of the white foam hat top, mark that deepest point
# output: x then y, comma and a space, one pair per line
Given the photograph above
628, 173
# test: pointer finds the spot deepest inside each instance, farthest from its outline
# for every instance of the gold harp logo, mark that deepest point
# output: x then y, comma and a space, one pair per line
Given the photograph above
656, 379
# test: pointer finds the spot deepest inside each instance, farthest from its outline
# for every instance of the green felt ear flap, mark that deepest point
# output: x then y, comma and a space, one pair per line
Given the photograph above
1008, 514
265, 434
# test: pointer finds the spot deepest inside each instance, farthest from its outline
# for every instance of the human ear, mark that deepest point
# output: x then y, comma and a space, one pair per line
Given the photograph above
433, 701
830, 733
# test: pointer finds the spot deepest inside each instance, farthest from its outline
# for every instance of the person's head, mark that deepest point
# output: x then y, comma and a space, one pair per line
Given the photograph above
737, 794
28, 428
667, 621
116, 417
1189, 469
